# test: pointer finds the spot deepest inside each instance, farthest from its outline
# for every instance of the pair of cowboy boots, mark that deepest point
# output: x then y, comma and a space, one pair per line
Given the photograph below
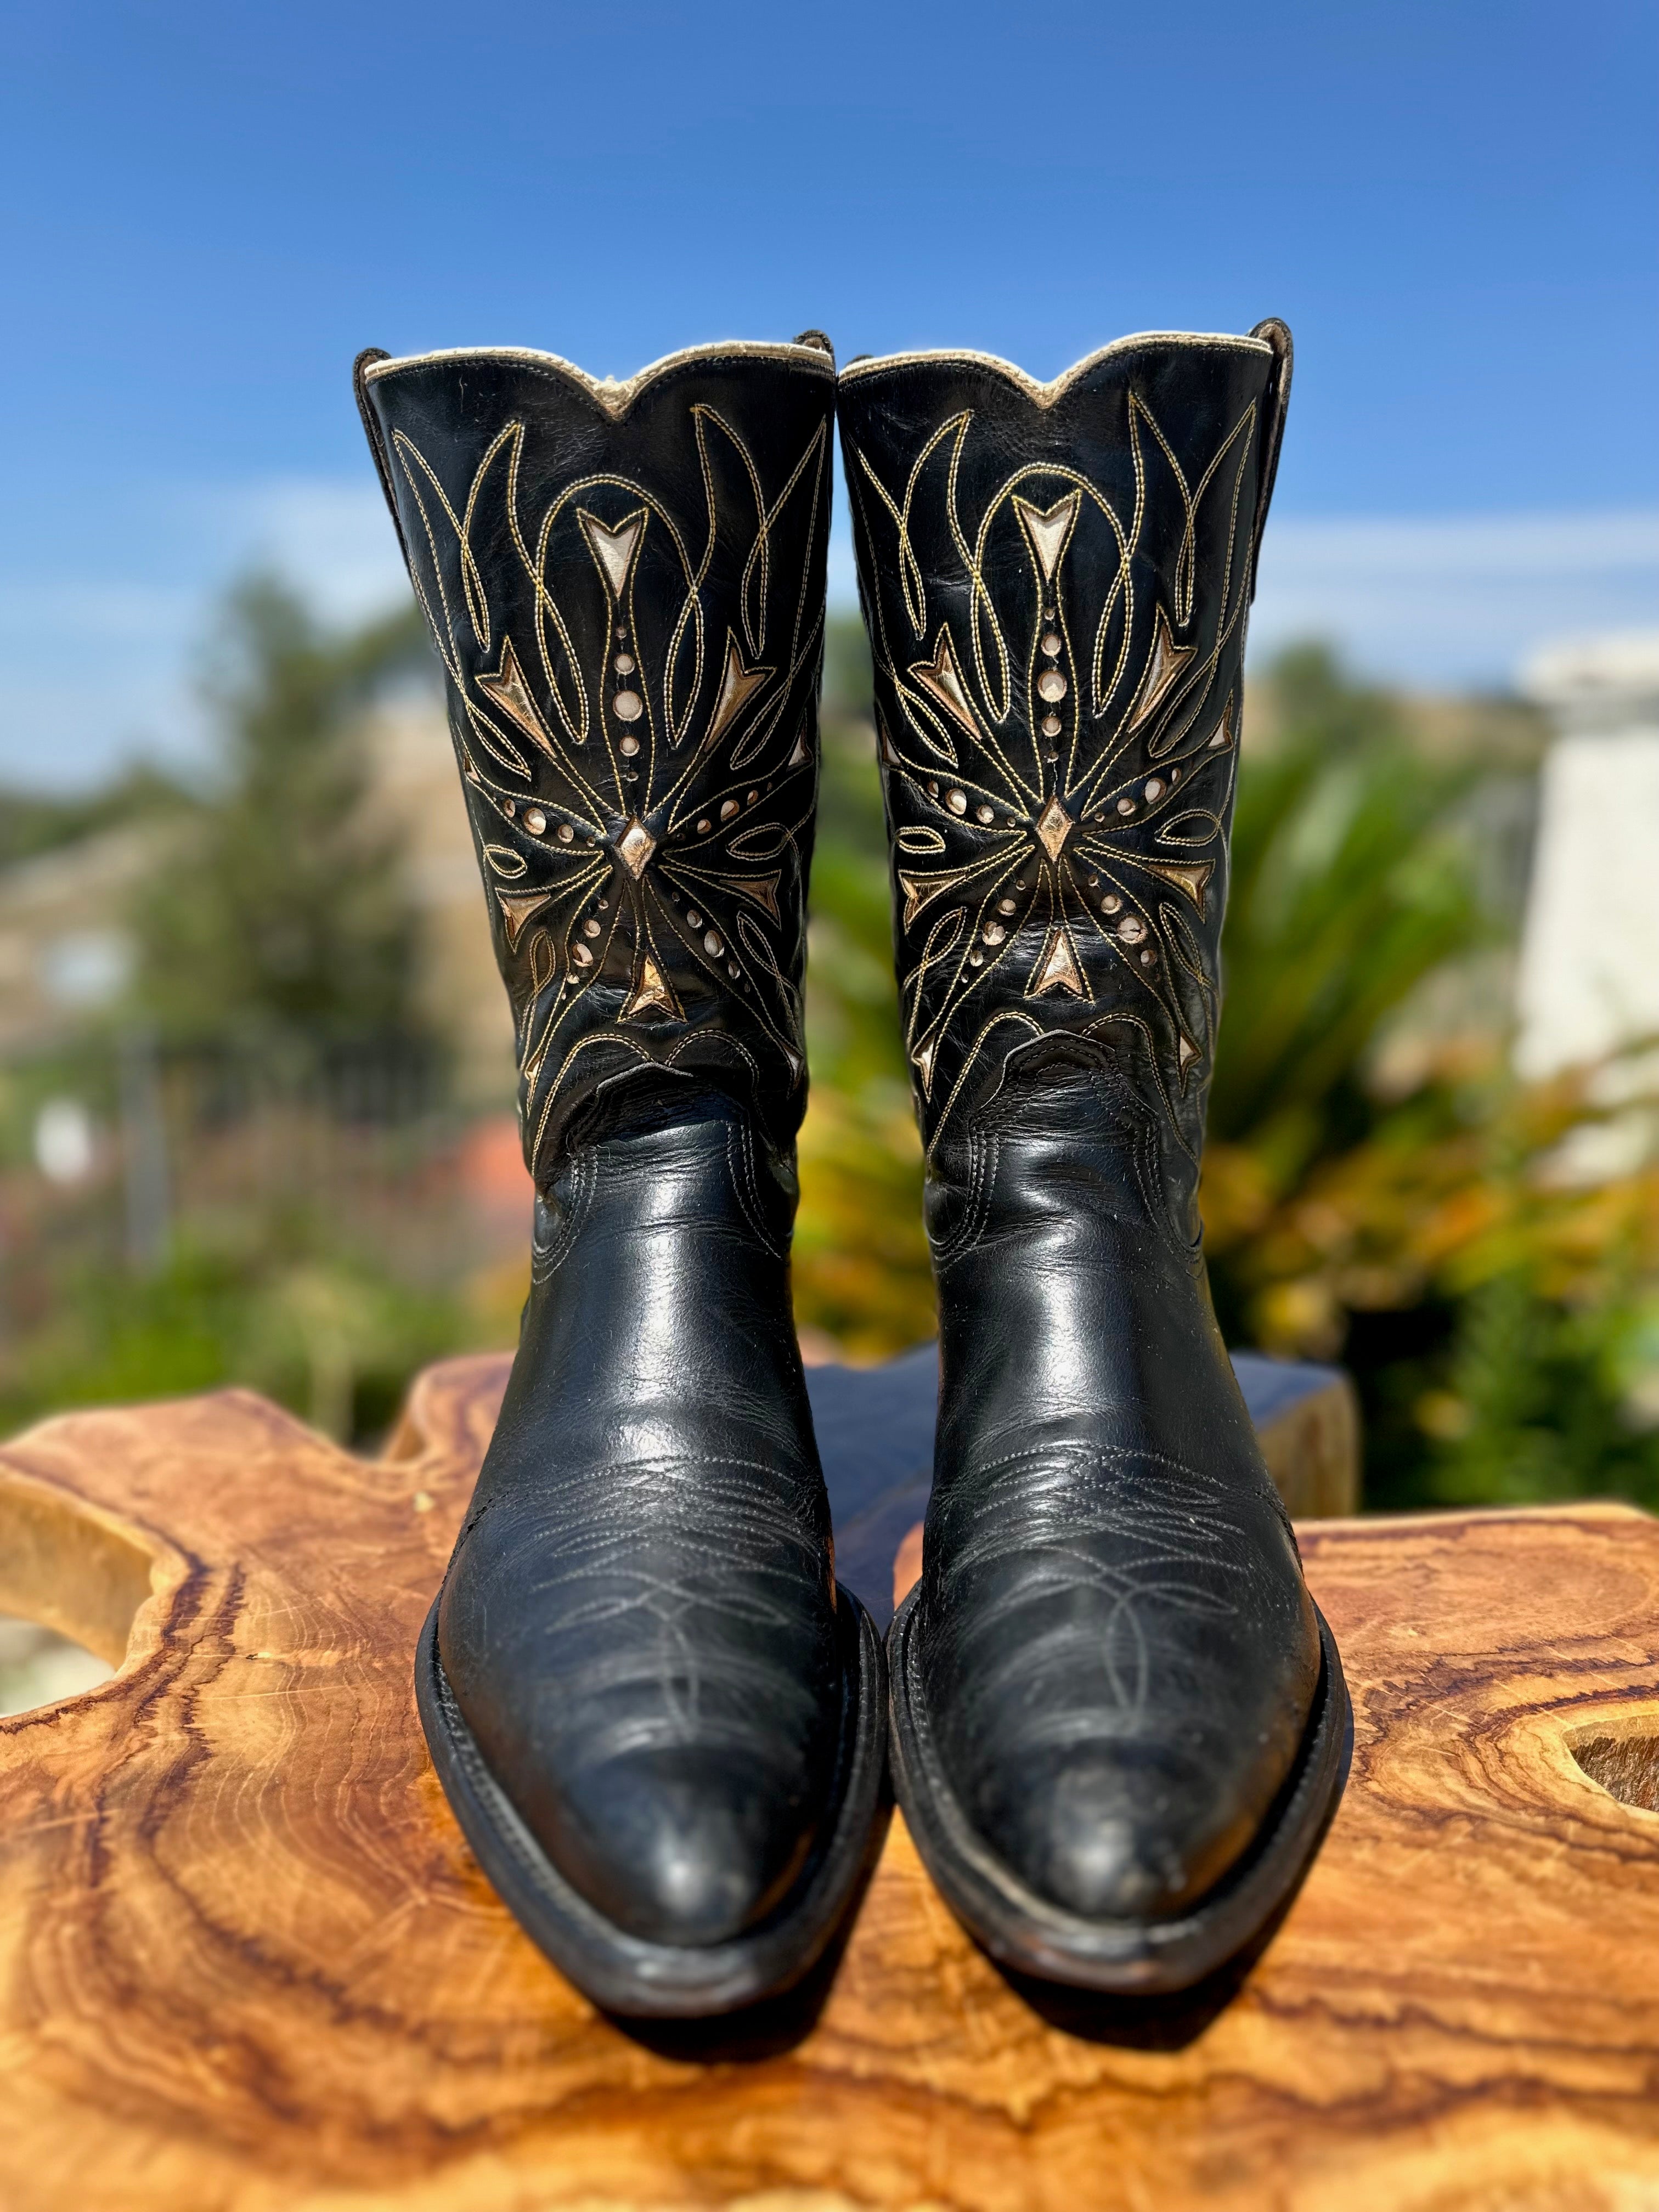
1117, 1722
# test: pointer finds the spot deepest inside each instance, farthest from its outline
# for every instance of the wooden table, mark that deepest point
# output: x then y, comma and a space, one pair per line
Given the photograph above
245, 1960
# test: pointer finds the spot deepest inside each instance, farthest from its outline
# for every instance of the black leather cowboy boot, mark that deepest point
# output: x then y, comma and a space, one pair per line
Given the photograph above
659, 1723
1120, 1725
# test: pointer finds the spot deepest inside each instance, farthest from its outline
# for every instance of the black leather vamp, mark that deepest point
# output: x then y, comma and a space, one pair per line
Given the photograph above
639, 1621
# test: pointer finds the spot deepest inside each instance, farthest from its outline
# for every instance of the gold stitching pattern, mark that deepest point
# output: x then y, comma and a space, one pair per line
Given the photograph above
666, 777
1072, 770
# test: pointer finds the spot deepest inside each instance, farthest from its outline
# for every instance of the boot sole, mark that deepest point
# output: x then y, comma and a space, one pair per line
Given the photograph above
623, 1973
1024, 1932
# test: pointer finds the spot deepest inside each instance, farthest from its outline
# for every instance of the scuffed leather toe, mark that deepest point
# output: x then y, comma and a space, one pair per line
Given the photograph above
675, 1766
1120, 1663
1116, 1831
681, 1845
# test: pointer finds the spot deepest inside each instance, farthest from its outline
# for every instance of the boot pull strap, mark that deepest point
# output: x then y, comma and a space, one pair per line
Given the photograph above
360, 368
1275, 400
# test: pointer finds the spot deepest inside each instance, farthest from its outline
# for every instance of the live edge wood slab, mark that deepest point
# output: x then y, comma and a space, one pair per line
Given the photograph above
247, 1962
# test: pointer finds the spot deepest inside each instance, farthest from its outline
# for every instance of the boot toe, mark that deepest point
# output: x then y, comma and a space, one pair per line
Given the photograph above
1116, 1808
680, 1846
682, 1830
1109, 1834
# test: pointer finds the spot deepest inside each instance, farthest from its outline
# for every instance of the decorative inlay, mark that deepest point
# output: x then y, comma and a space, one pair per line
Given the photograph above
1054, 827
506, 688
614, 547
517, 908
761, 890
1049, 532
739, 686
1189, 876
635, 847
651, 994
941, 678
1165, 666
1058, 970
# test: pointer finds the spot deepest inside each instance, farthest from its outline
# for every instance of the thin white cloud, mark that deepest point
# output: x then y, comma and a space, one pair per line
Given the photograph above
1450, 600
334, 539
94, 666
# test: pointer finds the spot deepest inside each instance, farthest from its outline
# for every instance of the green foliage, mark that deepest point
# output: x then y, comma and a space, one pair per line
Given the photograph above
277, 1307
1534, 1409
863, 1286
286, 913
1351, 881
1500, 1322
32, 822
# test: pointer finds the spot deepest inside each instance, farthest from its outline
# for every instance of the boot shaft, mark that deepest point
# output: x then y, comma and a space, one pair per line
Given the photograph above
625, 584
1055, 580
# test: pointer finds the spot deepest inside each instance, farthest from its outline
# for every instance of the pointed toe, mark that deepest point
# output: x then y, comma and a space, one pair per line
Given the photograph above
682, 1846
1112, 1834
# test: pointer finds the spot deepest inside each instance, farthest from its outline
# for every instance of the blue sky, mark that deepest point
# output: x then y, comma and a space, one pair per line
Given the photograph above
208, 210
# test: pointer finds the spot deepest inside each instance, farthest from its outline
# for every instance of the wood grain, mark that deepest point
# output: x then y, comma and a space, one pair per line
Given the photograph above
247, 1963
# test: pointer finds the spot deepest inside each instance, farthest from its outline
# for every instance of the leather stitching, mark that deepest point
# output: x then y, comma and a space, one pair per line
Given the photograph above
529, 660
823, 1870
1079, 834
740, 1169
1116, 1095
546, 1259
984, 1155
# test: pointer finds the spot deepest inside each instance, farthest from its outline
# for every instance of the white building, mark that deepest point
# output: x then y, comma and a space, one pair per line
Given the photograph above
1589, 979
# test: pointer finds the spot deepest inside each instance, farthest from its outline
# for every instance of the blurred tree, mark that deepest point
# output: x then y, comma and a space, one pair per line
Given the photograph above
285, 916
33, 822
277, 946
1353, 881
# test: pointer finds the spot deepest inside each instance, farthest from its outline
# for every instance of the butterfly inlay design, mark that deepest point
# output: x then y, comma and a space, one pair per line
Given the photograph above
1057, 724
633, 698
